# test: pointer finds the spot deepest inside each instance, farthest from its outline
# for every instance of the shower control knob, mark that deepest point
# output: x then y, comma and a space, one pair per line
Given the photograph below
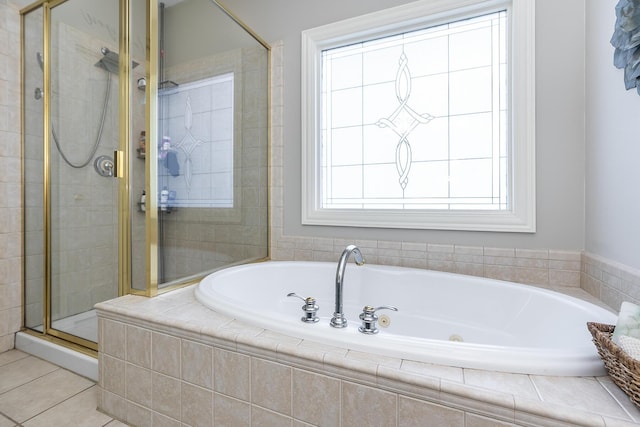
369, 318
310, 308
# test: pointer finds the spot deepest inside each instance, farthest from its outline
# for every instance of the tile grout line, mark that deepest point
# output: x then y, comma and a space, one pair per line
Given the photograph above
535, 387
25, 355
33, 379
17, 424
616, 400
59, 403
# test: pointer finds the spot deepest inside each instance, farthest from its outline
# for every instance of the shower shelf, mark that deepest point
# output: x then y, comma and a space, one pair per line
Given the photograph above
167, 210
167, 84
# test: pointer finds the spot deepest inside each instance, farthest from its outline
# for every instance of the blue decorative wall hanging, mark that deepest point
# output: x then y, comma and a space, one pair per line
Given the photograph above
626, 40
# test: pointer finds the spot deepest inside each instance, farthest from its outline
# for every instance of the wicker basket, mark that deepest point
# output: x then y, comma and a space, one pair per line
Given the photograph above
623, 369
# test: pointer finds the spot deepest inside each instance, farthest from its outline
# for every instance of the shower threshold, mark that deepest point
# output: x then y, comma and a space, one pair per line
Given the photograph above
84, 325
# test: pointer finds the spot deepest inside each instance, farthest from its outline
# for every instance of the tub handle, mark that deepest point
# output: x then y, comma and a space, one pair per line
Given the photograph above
310, 308
369, 318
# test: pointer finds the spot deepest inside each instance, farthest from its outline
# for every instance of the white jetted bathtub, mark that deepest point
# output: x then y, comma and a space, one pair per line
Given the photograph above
442, 318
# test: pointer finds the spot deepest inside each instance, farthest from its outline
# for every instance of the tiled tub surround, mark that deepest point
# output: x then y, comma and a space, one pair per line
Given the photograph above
169, 360
610, 282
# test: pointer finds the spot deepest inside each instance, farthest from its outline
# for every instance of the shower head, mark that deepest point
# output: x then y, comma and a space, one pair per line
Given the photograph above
109, 61
40, 60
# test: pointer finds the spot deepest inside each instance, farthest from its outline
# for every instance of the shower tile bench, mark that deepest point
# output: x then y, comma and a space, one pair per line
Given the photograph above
169, 360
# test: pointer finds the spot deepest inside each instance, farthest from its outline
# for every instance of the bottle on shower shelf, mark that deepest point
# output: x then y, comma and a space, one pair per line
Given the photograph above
165, 146
142, 145
143, 201
164, 199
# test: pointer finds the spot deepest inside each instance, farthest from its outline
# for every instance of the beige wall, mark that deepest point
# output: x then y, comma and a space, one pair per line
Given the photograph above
10, 197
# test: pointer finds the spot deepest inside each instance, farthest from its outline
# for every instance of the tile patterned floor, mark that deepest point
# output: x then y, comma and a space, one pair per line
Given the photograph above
36, 393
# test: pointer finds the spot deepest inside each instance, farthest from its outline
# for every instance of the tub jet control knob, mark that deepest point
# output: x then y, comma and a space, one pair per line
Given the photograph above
310, 308
369, 318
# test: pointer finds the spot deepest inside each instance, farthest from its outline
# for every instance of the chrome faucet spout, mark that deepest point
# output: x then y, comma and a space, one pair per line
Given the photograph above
338, 320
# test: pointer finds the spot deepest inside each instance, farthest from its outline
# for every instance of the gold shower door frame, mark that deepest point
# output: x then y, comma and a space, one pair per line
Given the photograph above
122, 173
122, 159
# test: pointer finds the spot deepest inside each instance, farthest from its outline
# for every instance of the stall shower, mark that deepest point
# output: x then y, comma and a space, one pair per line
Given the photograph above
137, 179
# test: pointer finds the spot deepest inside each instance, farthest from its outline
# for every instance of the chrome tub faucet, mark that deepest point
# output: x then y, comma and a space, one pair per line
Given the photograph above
338, 320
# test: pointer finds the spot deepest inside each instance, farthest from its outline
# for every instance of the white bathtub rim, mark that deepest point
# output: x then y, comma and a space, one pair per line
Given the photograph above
451, 353
584, 361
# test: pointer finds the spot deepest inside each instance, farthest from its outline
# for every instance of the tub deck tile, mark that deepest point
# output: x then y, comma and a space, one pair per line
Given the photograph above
515, 384
450, 373
301, 356
391, 362
536, 413
257, 345
478, 400
241, 328
621, 398
418, 386
324, 348
562, 401
345, 368
559, 389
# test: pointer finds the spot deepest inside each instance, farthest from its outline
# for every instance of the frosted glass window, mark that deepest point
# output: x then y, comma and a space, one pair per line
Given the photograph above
421, 116
396, 103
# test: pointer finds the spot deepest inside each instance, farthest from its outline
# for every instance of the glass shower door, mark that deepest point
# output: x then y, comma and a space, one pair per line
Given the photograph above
212, 142
83, 105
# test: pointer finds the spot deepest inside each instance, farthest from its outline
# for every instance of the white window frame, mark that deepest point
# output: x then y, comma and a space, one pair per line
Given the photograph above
520, 41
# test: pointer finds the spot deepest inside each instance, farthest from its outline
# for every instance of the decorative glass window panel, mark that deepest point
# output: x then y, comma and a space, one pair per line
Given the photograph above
380, 97
424, 124
198, 121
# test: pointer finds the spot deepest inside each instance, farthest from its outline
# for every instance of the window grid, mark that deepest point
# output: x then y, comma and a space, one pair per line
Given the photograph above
341, 189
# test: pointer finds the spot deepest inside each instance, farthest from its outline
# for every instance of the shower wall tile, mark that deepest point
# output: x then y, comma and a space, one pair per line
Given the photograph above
10, 178
204, 244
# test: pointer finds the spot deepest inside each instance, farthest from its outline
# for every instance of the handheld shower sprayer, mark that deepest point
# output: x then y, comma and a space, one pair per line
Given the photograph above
38, 93
109, 63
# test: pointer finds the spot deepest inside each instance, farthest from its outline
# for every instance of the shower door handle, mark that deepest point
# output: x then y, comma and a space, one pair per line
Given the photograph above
118, 163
